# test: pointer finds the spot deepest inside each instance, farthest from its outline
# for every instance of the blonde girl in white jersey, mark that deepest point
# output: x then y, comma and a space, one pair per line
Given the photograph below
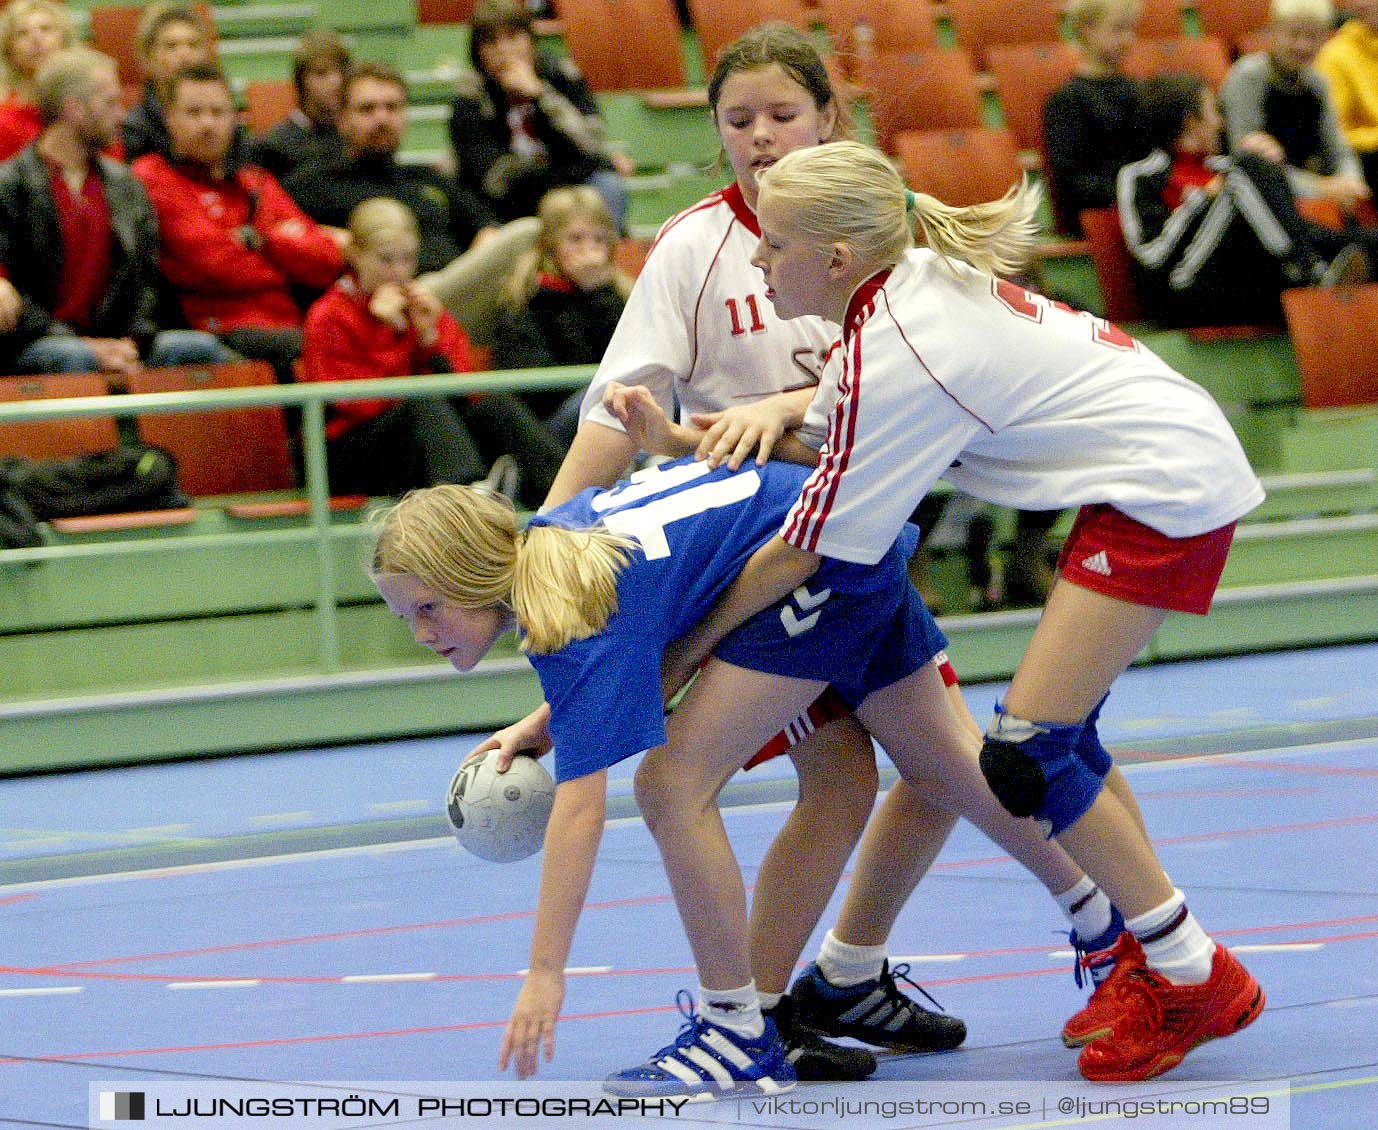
699, 330
946, 369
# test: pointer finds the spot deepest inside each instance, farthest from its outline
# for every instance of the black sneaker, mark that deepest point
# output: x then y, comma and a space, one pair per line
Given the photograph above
815, 1059
875, 1012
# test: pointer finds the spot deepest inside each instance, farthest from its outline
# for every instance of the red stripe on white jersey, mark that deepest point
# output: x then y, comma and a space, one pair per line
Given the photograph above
811, 511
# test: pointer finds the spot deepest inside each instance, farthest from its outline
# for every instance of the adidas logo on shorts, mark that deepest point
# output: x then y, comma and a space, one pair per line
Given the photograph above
1097, 563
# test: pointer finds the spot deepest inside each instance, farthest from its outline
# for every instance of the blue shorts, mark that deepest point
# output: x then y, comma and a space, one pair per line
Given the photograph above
872, 630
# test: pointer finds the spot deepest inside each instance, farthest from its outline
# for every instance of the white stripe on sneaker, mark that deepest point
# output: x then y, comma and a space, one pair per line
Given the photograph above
715, 1041
710, 1068
672, 1065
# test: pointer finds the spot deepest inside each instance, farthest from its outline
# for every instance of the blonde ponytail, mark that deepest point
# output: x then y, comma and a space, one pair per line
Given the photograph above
565, 584
997, 237
850, 193
464, 542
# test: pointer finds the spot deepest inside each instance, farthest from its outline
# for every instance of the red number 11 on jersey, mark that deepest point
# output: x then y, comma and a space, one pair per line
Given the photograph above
734, 311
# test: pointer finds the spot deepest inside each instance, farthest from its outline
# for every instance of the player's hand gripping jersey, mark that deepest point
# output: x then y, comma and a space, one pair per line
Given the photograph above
695, 529
945, 371
698, 330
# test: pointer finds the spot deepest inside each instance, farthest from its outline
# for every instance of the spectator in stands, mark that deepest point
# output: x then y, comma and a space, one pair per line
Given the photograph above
1219, 237
1349, 63
1277, 106
171, 36
377, 322
524, 123
564, 300
232, 243
78, 239
308, 135
30, 31
1089, 123
464, 251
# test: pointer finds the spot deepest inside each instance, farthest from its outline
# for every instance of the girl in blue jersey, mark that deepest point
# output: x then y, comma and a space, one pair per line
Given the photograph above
598, 588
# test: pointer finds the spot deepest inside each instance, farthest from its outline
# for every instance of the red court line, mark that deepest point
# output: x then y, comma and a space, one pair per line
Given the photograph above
478, 1025
1004, 951
1231, 759
284, 1041
70, 968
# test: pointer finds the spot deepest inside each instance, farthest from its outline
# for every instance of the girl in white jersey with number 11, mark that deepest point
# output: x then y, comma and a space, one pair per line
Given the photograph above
700, 334
945, 369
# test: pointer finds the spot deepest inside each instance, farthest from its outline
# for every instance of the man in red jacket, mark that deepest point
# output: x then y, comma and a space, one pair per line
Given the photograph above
233, 245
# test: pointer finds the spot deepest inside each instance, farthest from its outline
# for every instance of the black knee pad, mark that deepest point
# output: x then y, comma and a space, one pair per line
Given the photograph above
1016, 779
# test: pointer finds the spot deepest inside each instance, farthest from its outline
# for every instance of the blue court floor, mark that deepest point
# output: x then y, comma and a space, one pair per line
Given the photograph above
304, 918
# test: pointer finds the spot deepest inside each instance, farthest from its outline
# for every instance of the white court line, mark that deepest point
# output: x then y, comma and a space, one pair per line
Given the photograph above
925, 958
1320, 749
576, 970
1277, 947
247, 983
51, 991
385, 978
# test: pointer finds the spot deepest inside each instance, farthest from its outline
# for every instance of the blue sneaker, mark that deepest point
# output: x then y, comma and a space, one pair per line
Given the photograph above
875, 1012
1097, 956
707, 1062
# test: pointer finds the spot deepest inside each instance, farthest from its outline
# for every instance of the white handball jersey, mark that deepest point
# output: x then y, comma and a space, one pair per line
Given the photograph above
698, 330
945, 371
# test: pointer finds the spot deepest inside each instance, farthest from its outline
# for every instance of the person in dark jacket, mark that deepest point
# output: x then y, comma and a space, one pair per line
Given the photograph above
464, 249
78, 239
1217, 236
170, 36
523, 123
308, 135
1089, 123
564, 300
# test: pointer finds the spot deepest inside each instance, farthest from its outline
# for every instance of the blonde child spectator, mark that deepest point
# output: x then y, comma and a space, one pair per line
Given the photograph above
378, 322
563, 301
1089, 123
30, 31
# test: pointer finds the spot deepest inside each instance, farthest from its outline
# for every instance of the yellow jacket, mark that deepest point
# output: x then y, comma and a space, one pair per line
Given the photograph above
1349, 62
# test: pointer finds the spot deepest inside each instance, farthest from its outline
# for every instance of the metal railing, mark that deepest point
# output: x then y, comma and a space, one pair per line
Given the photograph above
311, 398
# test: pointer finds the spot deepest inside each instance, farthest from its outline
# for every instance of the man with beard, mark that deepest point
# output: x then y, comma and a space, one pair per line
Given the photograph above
78, 240
464, 253
233, 244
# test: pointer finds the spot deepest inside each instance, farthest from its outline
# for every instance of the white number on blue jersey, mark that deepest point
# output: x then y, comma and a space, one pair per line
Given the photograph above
646, 523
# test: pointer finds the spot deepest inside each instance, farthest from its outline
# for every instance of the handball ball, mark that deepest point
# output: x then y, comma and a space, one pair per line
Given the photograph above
500, 817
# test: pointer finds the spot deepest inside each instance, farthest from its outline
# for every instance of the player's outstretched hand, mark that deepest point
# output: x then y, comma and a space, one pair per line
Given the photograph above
732, 435
531, 1027
529, 735
646, 423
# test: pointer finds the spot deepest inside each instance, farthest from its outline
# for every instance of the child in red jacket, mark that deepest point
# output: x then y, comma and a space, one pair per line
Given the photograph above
376, 322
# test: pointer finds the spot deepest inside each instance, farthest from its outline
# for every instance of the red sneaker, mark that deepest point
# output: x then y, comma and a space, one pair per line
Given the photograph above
1160, 1022
1104, 1008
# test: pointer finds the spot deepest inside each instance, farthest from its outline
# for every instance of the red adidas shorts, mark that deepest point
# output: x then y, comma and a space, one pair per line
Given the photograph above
827, 707
1109, 552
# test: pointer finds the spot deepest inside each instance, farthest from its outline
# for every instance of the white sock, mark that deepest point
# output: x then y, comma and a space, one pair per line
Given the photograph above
844, 964
768, 1000
737, 1010
1087, 908
1174, 943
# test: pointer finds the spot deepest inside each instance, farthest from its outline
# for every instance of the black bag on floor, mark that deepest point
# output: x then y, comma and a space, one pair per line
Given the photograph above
18, 526
107, 482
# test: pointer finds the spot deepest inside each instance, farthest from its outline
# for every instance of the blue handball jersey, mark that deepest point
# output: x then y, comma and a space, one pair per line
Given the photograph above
695, 528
